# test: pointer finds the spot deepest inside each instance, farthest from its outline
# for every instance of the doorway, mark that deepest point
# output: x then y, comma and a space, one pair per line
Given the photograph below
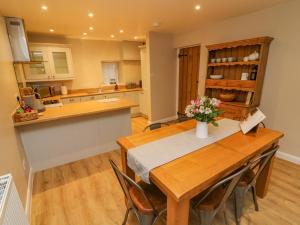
189, 59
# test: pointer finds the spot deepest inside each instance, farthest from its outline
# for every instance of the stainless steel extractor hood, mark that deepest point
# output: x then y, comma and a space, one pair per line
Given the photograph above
18, 40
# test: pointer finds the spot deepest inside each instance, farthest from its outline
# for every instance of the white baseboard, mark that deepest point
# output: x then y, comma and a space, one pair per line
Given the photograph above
167, 119
288, 157
29, 193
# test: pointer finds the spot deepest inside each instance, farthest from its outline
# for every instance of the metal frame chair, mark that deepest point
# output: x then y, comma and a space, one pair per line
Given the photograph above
182, 117
125, 183
228, 183
258, 164
154, 126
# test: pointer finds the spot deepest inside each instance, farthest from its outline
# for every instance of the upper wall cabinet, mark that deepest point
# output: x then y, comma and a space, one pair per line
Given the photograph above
130, 50
53, 63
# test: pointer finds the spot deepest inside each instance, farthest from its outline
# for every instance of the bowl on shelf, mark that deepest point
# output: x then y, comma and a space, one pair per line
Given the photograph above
218, 60
212, 60
216, 77
227, 97
224, 60
231, 59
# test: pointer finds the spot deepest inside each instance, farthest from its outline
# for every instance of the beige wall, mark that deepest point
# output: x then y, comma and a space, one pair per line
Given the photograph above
162, 62
11, 151
280, 92
87, 56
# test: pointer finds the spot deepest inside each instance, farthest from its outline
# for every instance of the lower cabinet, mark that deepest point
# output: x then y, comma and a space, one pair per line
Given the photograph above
70, 100
133, 96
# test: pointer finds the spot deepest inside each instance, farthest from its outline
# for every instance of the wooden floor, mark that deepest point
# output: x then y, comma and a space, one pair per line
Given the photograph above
86, 192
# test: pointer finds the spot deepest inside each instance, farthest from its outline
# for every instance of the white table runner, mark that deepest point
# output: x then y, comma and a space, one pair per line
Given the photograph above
144, 158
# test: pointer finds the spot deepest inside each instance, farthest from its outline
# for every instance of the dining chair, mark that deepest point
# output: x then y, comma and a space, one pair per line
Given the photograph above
182, 117
248, 181
207, 205
154, 126
146, 201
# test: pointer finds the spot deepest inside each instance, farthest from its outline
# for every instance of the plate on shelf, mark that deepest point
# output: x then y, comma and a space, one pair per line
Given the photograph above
216, 77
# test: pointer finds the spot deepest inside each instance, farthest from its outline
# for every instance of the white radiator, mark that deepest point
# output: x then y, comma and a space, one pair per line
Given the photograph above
11, 209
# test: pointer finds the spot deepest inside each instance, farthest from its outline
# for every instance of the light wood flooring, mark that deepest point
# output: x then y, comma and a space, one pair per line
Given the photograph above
86, 192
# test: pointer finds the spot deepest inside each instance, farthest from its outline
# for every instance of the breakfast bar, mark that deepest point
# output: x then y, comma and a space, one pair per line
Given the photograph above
74, 131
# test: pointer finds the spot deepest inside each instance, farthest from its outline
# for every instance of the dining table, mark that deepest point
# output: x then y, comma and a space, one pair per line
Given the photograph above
187, 176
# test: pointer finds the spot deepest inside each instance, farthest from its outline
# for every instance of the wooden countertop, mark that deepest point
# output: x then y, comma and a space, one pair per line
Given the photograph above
79, 109
86, 93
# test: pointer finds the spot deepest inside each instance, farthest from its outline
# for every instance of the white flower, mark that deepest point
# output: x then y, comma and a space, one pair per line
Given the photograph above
201, 109
207, 111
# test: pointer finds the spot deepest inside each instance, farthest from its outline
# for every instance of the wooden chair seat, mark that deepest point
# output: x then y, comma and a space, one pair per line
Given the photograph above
157, 198
213, 200
246, 178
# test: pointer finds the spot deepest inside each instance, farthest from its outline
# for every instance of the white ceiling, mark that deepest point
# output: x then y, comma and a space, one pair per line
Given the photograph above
136, 17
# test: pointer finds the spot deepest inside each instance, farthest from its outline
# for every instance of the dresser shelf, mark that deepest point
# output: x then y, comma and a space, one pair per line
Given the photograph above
233, 63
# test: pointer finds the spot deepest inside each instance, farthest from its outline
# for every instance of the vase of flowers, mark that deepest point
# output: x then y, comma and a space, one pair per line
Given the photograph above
204, 110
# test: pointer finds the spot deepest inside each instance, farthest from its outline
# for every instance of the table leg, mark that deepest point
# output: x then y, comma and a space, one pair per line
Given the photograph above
262, 183
177, 211
129, 172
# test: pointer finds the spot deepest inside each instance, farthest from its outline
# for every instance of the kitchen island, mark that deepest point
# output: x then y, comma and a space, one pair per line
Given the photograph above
74, 131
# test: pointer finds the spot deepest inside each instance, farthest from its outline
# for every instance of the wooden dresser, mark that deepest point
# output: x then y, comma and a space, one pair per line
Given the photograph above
248, 92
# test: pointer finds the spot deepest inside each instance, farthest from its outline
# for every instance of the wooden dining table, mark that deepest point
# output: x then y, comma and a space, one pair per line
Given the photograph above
185, 177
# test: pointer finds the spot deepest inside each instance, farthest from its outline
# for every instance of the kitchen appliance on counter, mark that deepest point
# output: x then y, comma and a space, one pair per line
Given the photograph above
44, 91
34, 102
64, 90
131, 85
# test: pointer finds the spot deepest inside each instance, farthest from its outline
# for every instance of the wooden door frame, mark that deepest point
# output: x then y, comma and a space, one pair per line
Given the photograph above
177, 70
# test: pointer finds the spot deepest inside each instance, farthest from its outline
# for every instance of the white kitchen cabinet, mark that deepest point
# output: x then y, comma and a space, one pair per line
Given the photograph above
130, 50
134, 97
114, 95
70, 100
142, 103
61, 65
57, 64
91, 98
41, 70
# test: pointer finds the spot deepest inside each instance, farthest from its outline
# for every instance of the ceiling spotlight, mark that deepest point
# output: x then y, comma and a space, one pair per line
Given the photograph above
91, 28
197, 7
121, 31
136, 37
112, 36
44, 7
156, 24
84, 33
51, 30
90, 14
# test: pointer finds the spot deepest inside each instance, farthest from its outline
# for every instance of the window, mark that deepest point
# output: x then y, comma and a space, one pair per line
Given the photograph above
110, 71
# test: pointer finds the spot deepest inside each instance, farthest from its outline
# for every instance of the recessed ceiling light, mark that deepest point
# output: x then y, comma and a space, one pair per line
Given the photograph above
136, 37
44, 7
91, 28
121, 31
197, 7
90, 14
84, 33
156, 24
112, 36
51, 30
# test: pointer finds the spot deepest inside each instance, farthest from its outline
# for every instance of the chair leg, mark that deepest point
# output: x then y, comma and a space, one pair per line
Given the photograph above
254, 198
239, 203
126, 216
206, 217
146, 219
225, 216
